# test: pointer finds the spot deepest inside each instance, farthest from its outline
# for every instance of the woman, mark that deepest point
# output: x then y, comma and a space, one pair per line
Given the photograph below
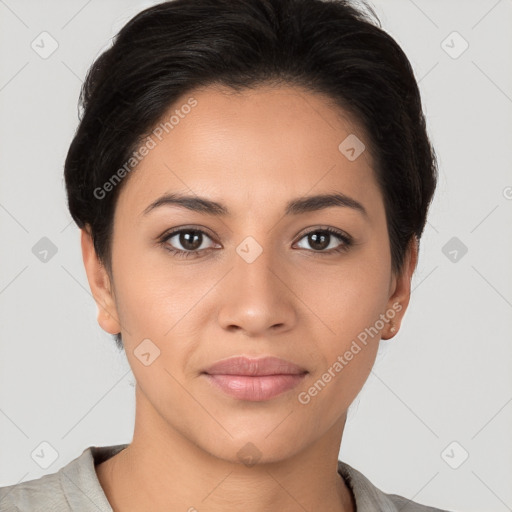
251, 179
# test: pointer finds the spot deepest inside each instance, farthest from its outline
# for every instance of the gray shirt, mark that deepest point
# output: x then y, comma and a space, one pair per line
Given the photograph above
75, 487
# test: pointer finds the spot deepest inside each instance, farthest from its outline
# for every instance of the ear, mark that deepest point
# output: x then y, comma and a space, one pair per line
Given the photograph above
401, 289
99, 282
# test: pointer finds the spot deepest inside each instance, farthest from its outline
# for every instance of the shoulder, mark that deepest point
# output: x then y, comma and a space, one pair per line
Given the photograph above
371, 499
74, 486
44, 493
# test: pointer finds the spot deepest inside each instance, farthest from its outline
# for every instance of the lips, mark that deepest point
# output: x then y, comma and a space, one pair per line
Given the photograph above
254, 379
255, 367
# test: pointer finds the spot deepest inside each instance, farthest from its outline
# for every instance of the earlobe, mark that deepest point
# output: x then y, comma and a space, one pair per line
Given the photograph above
100, 285
399, 300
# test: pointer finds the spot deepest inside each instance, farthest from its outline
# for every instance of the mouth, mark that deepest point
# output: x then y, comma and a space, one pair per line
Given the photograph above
254, 380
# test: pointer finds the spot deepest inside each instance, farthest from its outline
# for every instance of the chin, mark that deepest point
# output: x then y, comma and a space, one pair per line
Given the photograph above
254, 448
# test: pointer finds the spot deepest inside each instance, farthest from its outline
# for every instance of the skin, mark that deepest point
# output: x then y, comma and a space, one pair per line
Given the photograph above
252, 152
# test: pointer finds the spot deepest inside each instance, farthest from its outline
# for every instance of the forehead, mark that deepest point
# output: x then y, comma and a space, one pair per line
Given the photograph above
254, 149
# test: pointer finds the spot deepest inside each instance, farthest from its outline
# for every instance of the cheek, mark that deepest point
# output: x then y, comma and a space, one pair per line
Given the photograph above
345, 356
149, 293
164, 303
350, 302
330, 393
348, 297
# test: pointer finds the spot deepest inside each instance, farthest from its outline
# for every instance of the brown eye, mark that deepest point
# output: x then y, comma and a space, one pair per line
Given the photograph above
190, 240
186, 242
321, 239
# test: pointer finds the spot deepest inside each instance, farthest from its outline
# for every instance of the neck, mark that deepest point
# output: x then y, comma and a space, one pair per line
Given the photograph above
162, 470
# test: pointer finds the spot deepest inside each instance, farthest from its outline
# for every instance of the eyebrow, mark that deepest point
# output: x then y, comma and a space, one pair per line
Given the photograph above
293, 207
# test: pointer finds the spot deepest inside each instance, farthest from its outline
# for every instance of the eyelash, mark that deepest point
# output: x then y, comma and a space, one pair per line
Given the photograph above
346, 240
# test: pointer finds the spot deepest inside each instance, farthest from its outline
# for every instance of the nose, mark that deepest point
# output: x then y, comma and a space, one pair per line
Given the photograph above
257, 296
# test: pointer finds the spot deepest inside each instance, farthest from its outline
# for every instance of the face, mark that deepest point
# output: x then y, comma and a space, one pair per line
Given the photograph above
255, 276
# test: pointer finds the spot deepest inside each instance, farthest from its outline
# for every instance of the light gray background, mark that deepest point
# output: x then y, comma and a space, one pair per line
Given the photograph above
447, 375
